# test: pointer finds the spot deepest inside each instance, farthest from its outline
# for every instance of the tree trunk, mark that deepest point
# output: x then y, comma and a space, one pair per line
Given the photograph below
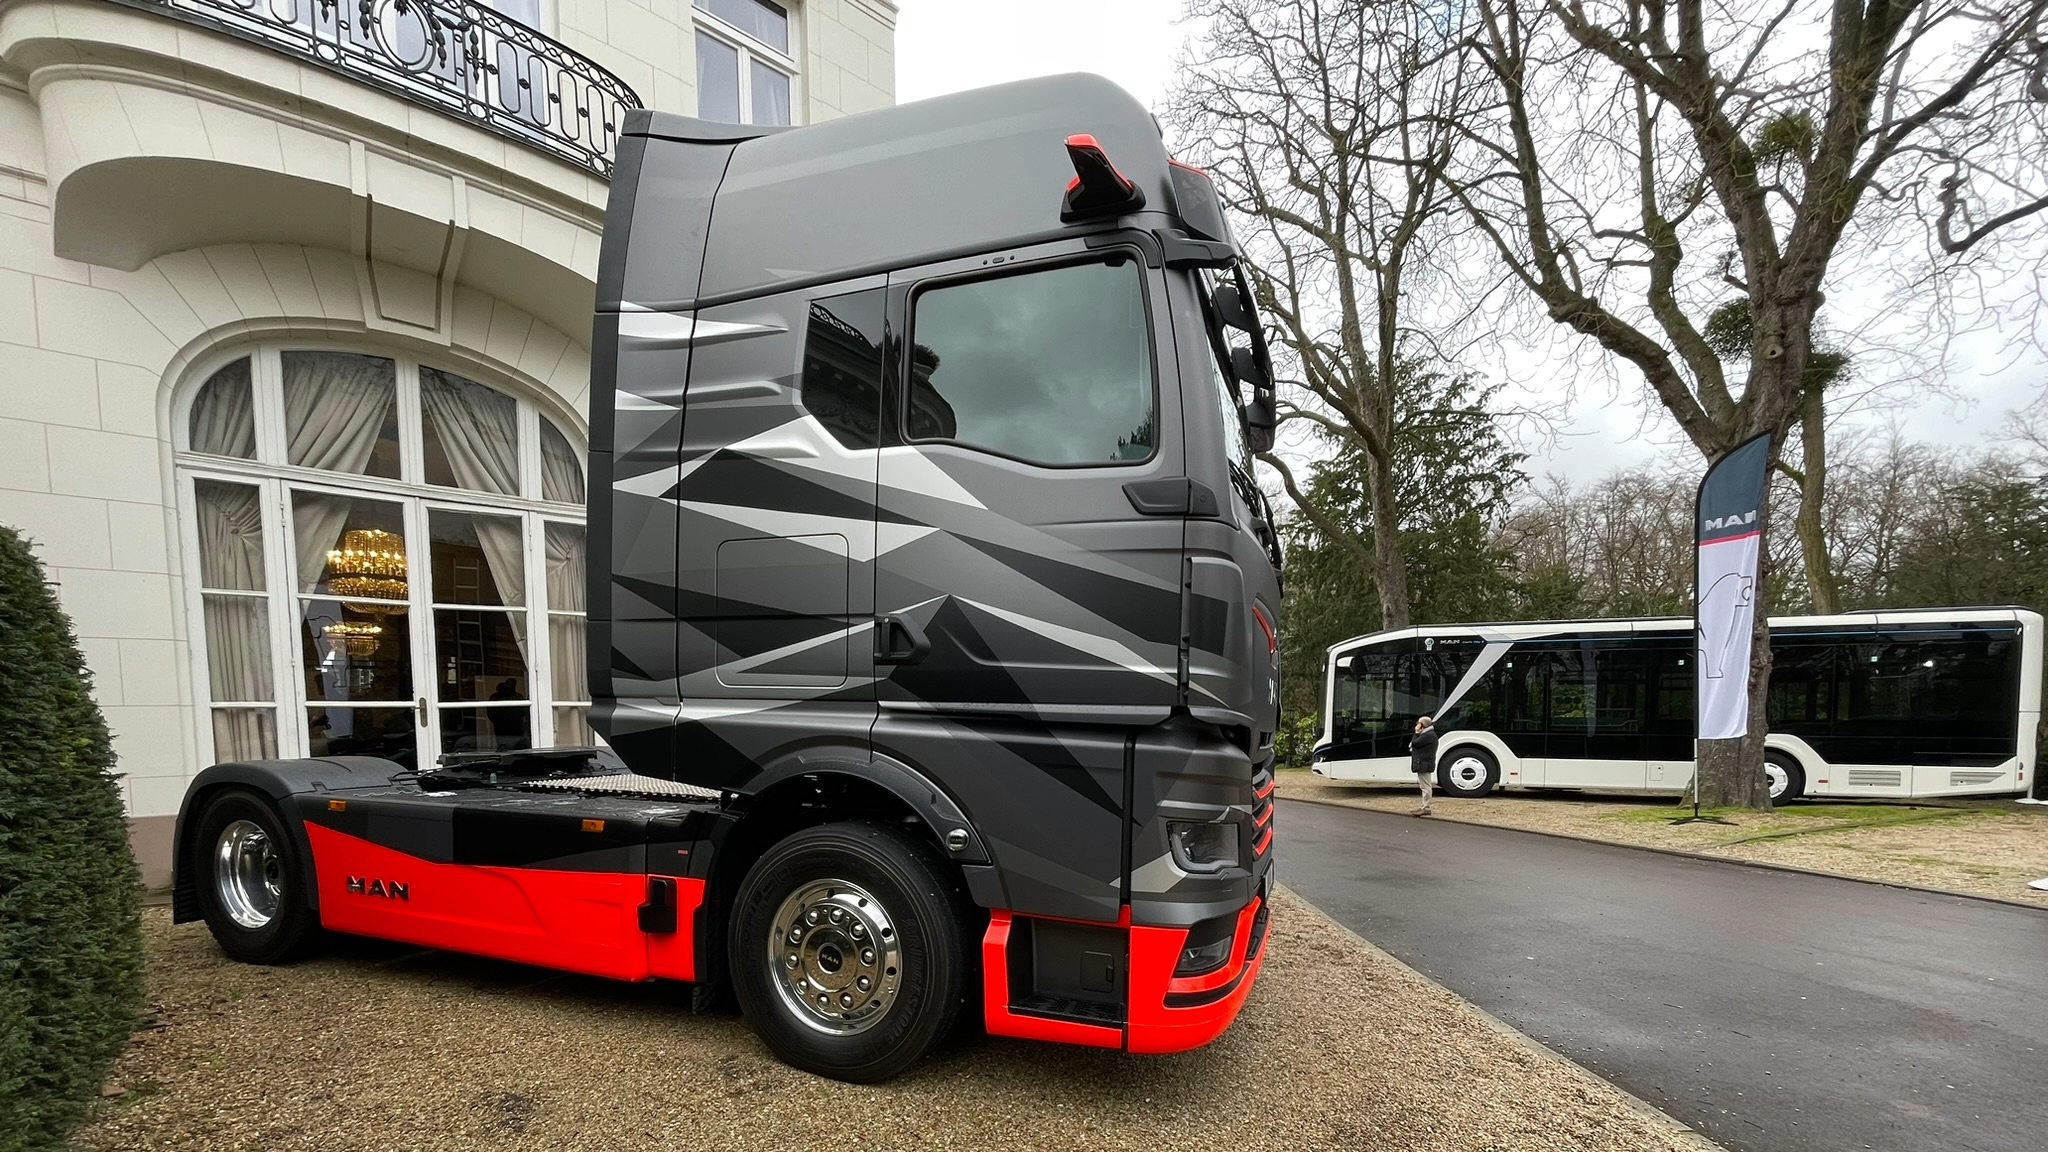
1813, 543
1389, 568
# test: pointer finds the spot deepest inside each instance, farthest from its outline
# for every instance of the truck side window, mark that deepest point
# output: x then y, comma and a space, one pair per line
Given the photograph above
1052, 367
843, 367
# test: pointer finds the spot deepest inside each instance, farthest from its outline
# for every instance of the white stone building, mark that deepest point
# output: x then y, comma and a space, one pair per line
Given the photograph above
294, 319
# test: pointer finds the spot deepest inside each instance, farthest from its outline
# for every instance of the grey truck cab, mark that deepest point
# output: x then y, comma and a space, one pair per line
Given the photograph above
922, 441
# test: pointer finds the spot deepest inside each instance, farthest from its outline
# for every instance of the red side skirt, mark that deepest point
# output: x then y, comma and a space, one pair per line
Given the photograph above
575, 921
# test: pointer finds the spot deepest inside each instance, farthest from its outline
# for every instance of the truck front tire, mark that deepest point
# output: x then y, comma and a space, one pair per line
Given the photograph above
847, 952
251, 881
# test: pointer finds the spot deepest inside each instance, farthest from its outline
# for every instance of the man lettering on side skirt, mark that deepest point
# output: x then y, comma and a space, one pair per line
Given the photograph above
1422, 751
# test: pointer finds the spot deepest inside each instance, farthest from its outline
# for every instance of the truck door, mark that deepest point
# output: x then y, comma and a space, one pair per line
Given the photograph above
776, 528
1028, 552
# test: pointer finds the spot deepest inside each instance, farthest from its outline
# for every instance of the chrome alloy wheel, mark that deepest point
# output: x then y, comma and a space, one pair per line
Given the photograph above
1775, 773
248, 876
1467, 772
837, 956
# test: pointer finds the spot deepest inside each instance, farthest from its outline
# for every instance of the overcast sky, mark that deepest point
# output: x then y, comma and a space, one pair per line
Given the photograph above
948, 45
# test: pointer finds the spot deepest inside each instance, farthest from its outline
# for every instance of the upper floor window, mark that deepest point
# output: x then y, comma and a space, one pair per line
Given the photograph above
745, 64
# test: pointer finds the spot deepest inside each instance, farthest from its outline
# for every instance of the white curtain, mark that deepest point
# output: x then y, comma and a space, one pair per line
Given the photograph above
335, 408
565, 568
567, 635
230, 536
223, 422
561, 471
478, 428
230, 523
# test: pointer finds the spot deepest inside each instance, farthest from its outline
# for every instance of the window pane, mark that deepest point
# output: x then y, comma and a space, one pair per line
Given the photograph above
230, 519
477, 729
355, 651
349, 546
1621, 688
386, 732
1053, 367
341, 412
572, 728
842, 373
566, 648
477, 559
770, 95
480, 655
566, 572
561, 466
223, 422
718, 80
469, 434
764, 21
238, 648
244, 734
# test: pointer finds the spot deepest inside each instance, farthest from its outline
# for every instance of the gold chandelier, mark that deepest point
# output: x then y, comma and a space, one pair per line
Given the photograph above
356, 637
370, 564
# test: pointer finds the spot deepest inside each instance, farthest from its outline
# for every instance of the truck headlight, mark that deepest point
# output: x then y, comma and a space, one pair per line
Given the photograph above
1208, 847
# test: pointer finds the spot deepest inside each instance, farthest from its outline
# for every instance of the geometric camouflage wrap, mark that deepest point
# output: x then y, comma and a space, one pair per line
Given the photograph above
1070, 655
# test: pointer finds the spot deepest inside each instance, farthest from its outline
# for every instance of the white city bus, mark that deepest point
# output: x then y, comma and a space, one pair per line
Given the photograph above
1928, 702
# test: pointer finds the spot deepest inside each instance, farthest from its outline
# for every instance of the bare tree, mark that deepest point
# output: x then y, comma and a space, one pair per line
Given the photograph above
1635, 160
1328, 126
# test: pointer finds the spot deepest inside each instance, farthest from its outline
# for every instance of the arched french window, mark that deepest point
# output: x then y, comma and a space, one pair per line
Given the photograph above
385, 558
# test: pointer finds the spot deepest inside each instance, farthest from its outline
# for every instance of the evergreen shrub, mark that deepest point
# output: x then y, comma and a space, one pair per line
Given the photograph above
70, 928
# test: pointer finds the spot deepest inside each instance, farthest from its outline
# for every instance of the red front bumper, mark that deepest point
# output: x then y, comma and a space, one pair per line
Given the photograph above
1163, 1013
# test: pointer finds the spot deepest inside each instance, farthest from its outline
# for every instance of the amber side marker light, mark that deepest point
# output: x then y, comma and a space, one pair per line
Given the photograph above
593, 825
337, 805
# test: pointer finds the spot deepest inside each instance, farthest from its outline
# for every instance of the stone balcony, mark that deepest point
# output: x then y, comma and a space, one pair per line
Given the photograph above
434, 141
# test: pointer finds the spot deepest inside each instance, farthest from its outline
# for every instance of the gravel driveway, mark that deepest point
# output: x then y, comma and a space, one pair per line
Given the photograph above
375, 1046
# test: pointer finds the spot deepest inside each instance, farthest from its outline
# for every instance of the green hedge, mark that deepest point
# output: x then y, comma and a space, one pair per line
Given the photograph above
70, 931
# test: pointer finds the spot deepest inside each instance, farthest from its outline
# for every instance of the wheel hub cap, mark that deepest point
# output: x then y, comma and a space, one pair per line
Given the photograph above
836, 955
1467, 772
1779, 781
247, 874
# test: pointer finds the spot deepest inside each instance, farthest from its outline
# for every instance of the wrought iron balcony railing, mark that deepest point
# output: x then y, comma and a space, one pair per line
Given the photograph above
458, 56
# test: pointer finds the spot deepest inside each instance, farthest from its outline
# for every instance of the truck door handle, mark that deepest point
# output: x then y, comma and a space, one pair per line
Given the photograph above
898, 641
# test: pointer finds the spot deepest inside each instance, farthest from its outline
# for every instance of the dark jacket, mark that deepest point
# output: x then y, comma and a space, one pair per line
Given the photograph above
1422, 750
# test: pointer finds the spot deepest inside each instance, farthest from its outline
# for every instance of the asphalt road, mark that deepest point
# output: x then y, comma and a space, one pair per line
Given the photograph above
1774, 1012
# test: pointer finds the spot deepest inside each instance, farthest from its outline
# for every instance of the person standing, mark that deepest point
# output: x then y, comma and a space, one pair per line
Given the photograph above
1422, 753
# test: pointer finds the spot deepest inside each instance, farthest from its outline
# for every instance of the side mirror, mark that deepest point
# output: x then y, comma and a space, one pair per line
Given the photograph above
1232, 309
1261, 418
1262, 408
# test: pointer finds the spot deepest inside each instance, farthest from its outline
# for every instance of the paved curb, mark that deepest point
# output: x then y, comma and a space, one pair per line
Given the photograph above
1683, 1133
1689, 855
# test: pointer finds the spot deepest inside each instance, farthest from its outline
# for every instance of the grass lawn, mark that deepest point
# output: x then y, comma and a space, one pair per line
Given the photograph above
1986, 847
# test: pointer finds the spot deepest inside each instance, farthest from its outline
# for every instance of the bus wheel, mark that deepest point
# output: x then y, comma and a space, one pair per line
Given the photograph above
1468, 772
251, 883
847, 951
1788, 780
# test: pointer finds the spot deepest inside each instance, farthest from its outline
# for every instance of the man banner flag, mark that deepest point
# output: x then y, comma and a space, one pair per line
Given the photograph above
1729, 521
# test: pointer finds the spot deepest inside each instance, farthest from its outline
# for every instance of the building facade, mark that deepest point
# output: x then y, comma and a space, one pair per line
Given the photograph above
295, 305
